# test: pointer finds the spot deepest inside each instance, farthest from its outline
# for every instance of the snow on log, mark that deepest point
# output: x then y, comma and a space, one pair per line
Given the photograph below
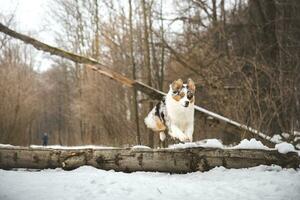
144, 159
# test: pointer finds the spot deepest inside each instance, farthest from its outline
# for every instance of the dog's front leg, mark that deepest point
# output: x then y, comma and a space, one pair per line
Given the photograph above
189, 132
175, 132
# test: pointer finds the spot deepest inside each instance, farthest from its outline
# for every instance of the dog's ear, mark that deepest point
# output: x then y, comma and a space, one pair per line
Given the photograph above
177, 85
191, 85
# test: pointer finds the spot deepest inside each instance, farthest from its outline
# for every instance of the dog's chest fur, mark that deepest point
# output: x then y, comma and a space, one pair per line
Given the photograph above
178, 115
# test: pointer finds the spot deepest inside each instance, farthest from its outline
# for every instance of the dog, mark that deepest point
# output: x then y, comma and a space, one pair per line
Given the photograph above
175, 113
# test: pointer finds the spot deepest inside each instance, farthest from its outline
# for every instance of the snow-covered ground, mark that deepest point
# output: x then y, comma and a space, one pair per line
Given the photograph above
262, 182
86, 183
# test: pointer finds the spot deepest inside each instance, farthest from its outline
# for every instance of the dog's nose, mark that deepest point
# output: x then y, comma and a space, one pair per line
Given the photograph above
186, 104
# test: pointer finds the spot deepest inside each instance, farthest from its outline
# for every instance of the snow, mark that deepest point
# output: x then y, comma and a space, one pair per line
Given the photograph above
282, 147
184, 145
72, 147
285, 147
276, 138
285, 135
250, 144
138, 147
267, 182
209, 143
214, 143
60, 147
7, 145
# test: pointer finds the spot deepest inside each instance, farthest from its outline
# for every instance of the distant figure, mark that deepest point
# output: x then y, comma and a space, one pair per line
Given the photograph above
45, 139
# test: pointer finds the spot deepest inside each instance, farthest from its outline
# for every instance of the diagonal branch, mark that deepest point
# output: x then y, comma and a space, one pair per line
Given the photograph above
89, 62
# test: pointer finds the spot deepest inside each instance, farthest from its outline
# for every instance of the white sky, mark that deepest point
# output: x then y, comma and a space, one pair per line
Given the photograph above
30, 19
30, 15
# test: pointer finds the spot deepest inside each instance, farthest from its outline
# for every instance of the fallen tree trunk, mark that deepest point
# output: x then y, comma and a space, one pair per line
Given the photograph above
143, 159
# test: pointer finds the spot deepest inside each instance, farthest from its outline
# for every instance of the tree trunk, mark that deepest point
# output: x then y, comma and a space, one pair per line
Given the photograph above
162, 61
147, 62
135, 95
144, 159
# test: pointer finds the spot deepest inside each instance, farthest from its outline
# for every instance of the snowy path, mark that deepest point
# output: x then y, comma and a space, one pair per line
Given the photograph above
89, 183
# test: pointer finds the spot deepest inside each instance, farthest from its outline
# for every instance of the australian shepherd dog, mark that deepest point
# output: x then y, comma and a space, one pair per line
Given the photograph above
175, 113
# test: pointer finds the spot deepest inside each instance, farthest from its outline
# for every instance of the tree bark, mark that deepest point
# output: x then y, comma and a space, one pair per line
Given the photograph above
162, 57
135, 95
144, 159
145, 10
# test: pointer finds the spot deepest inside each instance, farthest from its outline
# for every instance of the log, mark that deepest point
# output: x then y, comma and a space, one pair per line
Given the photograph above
144, 159
137, 85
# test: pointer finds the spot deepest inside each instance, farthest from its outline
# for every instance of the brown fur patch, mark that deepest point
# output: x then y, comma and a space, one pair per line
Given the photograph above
192, 100
191, 85
177, 85
159, 125
176, 97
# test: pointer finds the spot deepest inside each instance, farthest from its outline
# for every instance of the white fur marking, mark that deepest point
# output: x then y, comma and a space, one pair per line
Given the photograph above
162, 136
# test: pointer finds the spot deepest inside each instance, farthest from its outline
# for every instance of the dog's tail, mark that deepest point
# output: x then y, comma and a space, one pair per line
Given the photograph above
150, 120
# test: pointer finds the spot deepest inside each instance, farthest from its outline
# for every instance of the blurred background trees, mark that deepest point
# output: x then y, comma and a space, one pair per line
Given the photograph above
244, 56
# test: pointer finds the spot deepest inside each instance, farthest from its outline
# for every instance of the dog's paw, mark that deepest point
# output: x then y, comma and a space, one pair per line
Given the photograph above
183, 138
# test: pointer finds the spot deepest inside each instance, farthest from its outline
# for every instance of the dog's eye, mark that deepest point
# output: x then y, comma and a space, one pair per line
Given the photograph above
175, 92
190, 95
181, 94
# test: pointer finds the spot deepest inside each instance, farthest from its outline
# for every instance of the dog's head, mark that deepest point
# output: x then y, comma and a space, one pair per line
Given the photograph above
183, 93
